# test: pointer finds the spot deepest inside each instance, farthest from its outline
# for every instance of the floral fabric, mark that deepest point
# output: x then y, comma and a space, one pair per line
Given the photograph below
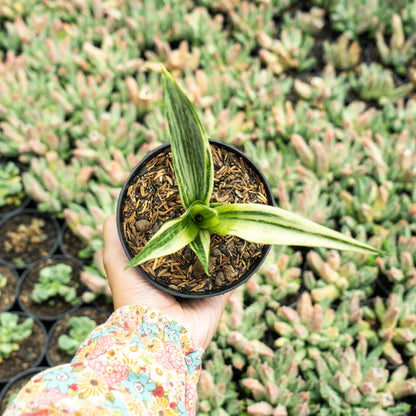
139, 362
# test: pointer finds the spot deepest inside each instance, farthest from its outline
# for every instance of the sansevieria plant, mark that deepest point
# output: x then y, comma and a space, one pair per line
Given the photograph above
194, 171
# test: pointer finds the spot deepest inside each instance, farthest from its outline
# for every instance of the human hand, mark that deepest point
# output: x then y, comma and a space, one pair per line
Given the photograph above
199, 316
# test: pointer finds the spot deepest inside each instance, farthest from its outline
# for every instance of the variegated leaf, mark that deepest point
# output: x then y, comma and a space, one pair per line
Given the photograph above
191, 153
265, 224
200, 246
172, 236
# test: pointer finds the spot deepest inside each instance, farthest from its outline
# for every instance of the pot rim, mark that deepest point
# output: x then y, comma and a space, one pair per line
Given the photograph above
176, 293
17, 377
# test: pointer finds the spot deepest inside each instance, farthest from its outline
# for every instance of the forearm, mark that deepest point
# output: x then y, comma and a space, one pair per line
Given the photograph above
138, 362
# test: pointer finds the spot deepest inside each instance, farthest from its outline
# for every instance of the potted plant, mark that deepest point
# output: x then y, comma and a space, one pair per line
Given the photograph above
12, 196
67, 334
28, 236
22, 343
51, 287
177, 202
8, 285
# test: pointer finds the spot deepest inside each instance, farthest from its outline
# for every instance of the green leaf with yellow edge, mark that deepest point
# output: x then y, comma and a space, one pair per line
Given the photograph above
172, 236
191, 153
266, 224
200, 247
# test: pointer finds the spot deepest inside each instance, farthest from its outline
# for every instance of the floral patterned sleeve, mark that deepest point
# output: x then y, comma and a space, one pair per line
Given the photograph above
139, 362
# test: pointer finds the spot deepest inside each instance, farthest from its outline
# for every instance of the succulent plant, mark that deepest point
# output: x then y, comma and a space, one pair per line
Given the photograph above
87, 222
355, 381
12, 333
276, 387
394, 321
291, 51
375, 83
80, 328
354, 18
18, 241
313, 328
53, 282
342, 54
216, 389
257, 223
320, 89
54, 184
338, 278
278, 279
400, 50
11, 189
400, 265
311, 22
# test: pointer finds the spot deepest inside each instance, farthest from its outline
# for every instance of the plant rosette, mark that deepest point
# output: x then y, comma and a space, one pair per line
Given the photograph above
8, 287
12, 196
70, 244
12, 388
232, 259
27, 237
22, 343
61, 349
51, 287
190, 209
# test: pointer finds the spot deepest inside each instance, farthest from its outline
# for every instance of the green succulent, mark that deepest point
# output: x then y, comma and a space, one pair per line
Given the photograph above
11, 333
373, 82
342, 54
354, 381
80, 328
216, 389
276, 385
394, 321
338, 277
400, 50
11, 189
311, 328
290, 51
54, 281
192, 161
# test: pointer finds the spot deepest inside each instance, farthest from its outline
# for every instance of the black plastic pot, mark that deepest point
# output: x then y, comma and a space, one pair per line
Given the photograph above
41, 355
11, 272
186, 294
103, 316
53, 315
37, 214
26, 376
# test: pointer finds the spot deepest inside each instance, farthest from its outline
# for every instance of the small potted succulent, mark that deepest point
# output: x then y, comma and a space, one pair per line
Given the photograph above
51, 287
12, 196
22, 343
196, 218
27, 236
67, 334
